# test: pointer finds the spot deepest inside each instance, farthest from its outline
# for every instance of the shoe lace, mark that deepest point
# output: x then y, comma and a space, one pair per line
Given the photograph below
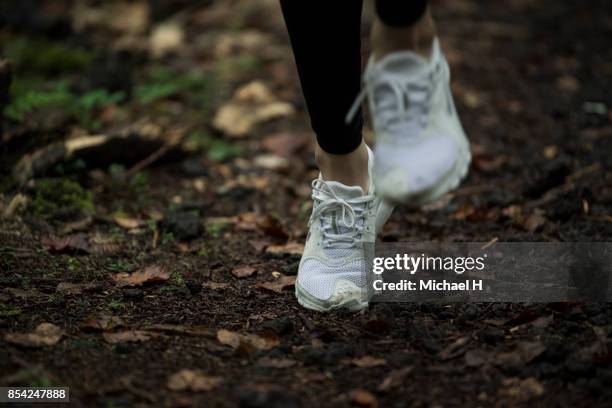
398, 100
353, 210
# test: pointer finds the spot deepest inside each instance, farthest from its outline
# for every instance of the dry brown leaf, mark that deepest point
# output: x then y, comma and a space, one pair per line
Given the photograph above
394, 379
533, 222
523, 354
245, 342
17, 203
251, 105
129, 18
272, 226
75, 226
192, 380
453, 349
149, 274
128, 336
101, 322
271, 162
75, 288
45, 334
521, 389
285, 144
243, 271
478, 357
215, 285
269, 362
278, 285
368, 361
290, 248
362, 397
568, 83
127, 222
71, 244
196, 331
166, 38
259, 244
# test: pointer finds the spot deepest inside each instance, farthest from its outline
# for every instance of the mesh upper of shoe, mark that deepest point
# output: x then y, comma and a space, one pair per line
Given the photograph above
319, 280
423, 164
405, 88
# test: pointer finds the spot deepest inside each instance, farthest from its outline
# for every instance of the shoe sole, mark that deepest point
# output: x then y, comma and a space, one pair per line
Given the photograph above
310, 302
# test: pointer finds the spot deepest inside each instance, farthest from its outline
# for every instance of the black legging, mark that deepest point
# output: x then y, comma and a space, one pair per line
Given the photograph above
326, 41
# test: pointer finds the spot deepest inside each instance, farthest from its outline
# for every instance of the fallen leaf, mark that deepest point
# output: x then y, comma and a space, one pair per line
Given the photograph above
215, 285
129, 18
128, 336
568, 83
362, 397
243, 271
272, 226
533, 222
290, 248
245, 342
394, 379
285, 144
550, 152
101, 322
17, 203
251, 105
78, 225
196, 331
521, 389
278, 285
368, 361
127, 222
543, 321
476, 358
76, 288
259, 244
166, 38
454, 349
524, 353
269, 362
271, 162
45, 334
71, 244
23, 294
148, 274
192, 380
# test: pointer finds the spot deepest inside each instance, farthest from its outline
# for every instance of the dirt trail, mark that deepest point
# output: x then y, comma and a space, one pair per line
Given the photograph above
212, 232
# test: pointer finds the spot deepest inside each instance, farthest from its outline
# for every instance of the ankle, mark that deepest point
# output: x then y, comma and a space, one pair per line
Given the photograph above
417, 37
349, 169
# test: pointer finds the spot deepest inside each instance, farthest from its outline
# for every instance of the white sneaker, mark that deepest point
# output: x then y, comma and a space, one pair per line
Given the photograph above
332, 271
421, 149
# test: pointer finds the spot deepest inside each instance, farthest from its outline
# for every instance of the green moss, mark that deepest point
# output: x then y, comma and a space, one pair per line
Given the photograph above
163, 83
41, 55
24, 101
28, 97
55, 195
218, 149
8, 311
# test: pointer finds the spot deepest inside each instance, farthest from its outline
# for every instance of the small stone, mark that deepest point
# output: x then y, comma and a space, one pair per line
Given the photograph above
184, 225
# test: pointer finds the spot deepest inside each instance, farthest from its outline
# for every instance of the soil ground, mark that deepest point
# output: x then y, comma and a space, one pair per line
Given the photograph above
532, 83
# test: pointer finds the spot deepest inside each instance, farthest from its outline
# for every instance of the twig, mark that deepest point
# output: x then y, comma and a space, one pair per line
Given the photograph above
175, 138
569, 185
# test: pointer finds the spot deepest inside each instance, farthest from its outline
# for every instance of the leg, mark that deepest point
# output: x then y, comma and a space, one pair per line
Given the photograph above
402, 25
326, 44
421, 150
346, 211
